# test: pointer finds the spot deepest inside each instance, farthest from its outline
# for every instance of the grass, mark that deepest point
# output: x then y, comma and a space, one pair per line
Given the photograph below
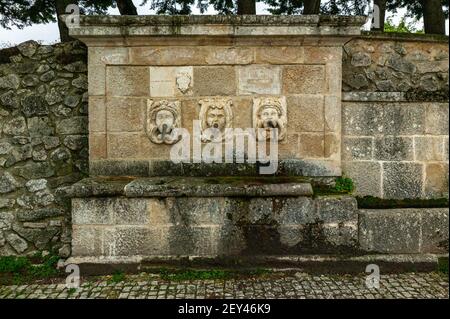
117, 277
17, 270
208, 274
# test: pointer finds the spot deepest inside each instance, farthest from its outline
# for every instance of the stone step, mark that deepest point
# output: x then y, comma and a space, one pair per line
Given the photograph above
313, 264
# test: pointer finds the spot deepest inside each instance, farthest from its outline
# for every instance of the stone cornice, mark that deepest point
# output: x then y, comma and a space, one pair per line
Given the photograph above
113, 27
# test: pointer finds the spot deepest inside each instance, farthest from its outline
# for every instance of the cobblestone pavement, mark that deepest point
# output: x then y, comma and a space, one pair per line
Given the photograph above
300, 285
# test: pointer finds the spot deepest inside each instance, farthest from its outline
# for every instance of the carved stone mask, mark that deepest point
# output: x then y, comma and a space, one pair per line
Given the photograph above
270, 117
270, 113
163, 117
164, 122
215, 114
215, 118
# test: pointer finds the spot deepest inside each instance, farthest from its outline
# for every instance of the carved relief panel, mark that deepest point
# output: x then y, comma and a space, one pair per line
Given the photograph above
270, 113
163, 118
215, 114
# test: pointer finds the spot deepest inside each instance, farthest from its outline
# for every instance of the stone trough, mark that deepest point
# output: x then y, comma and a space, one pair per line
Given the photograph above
208, 217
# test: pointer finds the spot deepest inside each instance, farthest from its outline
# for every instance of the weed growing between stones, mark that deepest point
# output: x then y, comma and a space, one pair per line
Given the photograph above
209, 274
343, 185
117, 277
18, 270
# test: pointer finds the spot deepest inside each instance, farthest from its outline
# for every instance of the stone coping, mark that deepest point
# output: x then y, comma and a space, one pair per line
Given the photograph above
254, 20
216, 25
399, 36
155, 168
410, 96
188, 186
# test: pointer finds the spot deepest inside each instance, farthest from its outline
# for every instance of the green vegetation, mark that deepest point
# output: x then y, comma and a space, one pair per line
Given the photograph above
401, 27
13, 264
370, 202
443, 265
117, 276
25, 269
343, 185
209, 274
71, 291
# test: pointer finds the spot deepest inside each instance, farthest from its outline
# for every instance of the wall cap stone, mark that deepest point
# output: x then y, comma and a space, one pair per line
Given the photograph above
235, 20
397, 36
215, 25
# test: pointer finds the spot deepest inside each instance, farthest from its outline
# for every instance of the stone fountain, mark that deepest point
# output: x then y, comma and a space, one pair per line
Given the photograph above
178, 111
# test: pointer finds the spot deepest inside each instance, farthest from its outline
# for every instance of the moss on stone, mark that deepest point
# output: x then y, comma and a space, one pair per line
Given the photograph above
370, 202
342, 186
182, 274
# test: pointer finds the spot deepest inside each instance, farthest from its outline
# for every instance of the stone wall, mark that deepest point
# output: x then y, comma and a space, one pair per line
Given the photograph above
395, 116
395, 132
129, 80
183, 226
43, 143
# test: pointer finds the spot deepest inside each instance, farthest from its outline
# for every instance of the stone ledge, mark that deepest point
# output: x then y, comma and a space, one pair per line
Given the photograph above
211, 187
216, 25
152, 168
409, 96
188, 186
373, 96
417, 37
307, 263
234, 20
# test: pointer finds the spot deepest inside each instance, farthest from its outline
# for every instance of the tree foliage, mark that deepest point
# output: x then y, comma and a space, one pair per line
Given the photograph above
413, 8
21, 13
402, 27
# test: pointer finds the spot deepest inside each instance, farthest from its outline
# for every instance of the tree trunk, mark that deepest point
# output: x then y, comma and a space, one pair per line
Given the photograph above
433, 17
311, 7
126, 7
60, 7
380, 10
246, 7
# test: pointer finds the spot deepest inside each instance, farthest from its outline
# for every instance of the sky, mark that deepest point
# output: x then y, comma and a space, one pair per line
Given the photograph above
48, 33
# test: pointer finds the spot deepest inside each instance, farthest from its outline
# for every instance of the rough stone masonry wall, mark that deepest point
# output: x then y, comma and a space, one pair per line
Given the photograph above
43, 143
395, 116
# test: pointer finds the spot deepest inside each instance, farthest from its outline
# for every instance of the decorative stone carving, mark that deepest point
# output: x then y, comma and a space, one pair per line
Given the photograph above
163, 118
183, 82
215, 114
269, 113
